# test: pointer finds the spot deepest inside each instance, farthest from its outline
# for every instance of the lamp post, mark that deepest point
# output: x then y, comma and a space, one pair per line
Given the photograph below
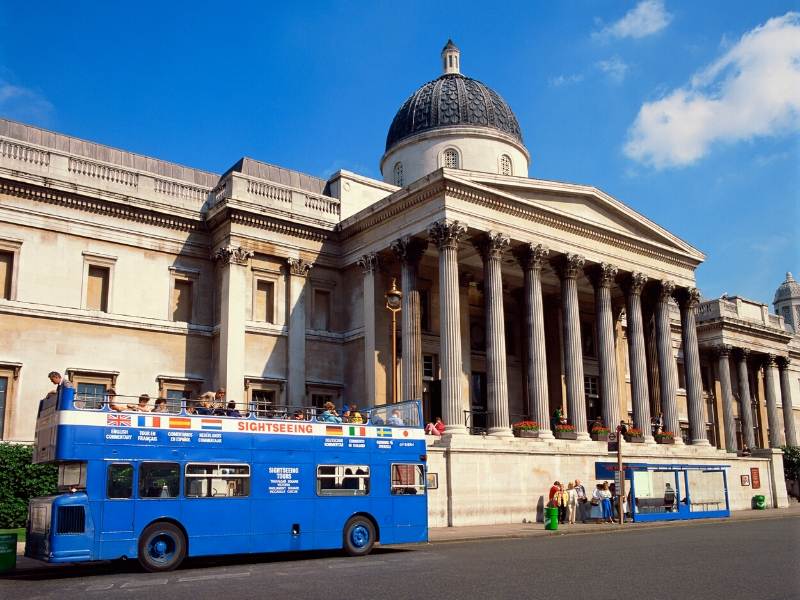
394, 300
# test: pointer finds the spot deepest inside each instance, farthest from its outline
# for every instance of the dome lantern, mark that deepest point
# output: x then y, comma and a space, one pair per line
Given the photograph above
451, 57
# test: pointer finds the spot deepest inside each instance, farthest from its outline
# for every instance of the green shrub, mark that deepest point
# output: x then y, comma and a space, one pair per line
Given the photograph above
791, 462
21, 480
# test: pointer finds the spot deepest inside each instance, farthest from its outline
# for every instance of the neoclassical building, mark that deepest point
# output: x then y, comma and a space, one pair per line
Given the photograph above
519, 295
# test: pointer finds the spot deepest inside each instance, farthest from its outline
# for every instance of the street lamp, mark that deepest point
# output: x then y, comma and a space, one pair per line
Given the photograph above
394, 299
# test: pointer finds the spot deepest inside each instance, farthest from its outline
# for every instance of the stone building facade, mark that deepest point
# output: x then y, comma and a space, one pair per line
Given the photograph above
520, 295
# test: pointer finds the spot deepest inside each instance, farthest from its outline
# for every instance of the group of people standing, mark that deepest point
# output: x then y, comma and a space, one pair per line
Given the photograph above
574, 503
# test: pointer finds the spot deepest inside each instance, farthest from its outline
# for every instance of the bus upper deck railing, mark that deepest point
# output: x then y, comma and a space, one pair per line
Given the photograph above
401, 414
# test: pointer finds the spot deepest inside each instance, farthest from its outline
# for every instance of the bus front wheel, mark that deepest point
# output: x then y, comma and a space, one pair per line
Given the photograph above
359, 536
162, 547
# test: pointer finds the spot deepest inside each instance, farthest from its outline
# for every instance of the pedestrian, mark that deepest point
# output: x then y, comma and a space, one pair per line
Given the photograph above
562, 499
572, 502
657, 423
552, 494
597, 509
605, 496
583, 501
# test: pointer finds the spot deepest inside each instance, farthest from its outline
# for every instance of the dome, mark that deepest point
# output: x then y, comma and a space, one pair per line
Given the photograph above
788, 290
452, 100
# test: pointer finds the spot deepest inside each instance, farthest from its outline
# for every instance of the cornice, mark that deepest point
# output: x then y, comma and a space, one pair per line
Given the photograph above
744, 327
269, 223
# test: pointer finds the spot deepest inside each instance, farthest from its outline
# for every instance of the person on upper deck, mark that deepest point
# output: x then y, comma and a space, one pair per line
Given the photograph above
161, 405
232, 411
60, 382
144, 400
111, 399
396, 419
204, 404
355, 416
329, 415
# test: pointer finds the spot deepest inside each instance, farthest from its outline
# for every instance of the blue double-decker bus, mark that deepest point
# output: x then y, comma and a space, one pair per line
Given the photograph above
159, 487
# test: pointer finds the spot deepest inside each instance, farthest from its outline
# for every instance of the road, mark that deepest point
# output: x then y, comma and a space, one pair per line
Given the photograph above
727, 560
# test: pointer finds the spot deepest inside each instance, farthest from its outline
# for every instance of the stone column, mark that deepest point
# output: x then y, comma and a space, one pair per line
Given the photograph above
232, 261
446, 235
410, 250
636, 355
531, 258
667, 368
298, 277
723, 353
745, 410
570, 267
688, 300
771, 392
602, 279
491, 247
368, 264
786, 399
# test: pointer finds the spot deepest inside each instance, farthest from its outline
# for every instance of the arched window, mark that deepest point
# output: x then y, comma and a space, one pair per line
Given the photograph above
450, 159
505, 165
398, 174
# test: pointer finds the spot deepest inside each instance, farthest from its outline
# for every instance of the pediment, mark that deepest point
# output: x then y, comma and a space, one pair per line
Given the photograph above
583, 204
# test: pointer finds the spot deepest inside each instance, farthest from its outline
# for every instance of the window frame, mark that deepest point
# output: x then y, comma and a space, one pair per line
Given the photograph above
108, 480
510, 165
187, 274
341, 491
261, 277
325, 289
92, 377
219, 465
420, 470
102, 261
398, 169
13, 247
186, 385
9, 371
141, 479
443, 157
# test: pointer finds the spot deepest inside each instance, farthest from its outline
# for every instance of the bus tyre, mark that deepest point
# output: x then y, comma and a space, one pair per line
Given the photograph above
359, 536
162, 547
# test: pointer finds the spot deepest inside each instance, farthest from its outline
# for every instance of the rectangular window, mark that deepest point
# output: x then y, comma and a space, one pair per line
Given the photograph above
319, 400
97, 288
342, 480
90, 395
159, 480
681, 376
6, 270
408, 479
587, 339
182, 300
425, 310
217, 481
263, 403
120, 480
71, 475
428, 367
322, 310
3, 396
264, 305
174, 398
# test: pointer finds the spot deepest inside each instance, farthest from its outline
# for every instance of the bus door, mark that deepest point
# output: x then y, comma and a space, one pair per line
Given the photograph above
118, 507
158, 489
409, 503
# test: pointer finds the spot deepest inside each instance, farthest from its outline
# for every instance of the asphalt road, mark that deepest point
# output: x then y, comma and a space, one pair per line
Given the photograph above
727, 560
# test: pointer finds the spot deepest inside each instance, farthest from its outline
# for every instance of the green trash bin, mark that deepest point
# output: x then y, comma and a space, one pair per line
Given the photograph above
8, 552
759, 502
551, 518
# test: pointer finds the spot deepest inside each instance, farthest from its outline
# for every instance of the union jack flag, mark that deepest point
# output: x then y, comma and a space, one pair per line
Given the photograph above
118, 420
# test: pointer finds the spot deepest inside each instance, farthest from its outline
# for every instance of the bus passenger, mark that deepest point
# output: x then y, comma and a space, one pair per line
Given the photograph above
161, 405
204, 404
298, 415
329, 414
111, 397
346, 417
395, 419
231, 411
355, 416
219, 399
144, 400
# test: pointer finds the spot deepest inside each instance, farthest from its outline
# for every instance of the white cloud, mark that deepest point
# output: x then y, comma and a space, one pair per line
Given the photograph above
614, 67
23, 104
646, 18
562, 80
753, 90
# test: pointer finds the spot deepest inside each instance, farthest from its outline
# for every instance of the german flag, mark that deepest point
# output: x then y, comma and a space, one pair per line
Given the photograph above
180, 423
333, 430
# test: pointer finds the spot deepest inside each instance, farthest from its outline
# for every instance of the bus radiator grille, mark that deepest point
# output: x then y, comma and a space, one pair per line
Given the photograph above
71, 519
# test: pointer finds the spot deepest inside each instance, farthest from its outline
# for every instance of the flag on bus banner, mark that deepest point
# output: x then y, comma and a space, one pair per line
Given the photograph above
362, 431
180, 423
149, 421
333, 430
384, 432
118, 420
211, 424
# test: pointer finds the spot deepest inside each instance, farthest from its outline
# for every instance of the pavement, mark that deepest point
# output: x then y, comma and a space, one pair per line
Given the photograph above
438, 535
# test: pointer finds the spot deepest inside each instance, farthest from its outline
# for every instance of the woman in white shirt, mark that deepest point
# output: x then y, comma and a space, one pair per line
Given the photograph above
572, 502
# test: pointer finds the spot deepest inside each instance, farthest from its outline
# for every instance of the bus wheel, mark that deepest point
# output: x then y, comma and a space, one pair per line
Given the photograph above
162, 547
359, 536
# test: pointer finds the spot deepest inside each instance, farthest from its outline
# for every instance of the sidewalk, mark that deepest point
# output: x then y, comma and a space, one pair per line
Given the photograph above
524, 530
515, 530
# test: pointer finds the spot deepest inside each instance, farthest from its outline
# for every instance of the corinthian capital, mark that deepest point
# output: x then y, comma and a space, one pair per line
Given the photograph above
234, 255
447, 234
634, 283
783, 362
603, 275
368, 262
688, 298
569, 265
666, 291
409, 249
723, 350
298, 266
531, 256
492, 245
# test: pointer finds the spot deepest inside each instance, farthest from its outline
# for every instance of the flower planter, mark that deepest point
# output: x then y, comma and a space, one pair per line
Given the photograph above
634, 440
600, 437
665, 440
527, 433
565, 435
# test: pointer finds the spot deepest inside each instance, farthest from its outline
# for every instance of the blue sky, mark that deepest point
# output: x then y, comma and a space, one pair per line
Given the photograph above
687, 111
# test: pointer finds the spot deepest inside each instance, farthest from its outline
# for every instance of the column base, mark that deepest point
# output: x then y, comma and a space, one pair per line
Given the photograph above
701, 443
649, 439
500, 432
583, 436
678, 441
455, 430
546, 434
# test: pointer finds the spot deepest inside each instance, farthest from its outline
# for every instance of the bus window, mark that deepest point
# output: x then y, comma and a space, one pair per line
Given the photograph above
71, 476
408, 479
342, 480
159, 480
217, 481
120, 480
